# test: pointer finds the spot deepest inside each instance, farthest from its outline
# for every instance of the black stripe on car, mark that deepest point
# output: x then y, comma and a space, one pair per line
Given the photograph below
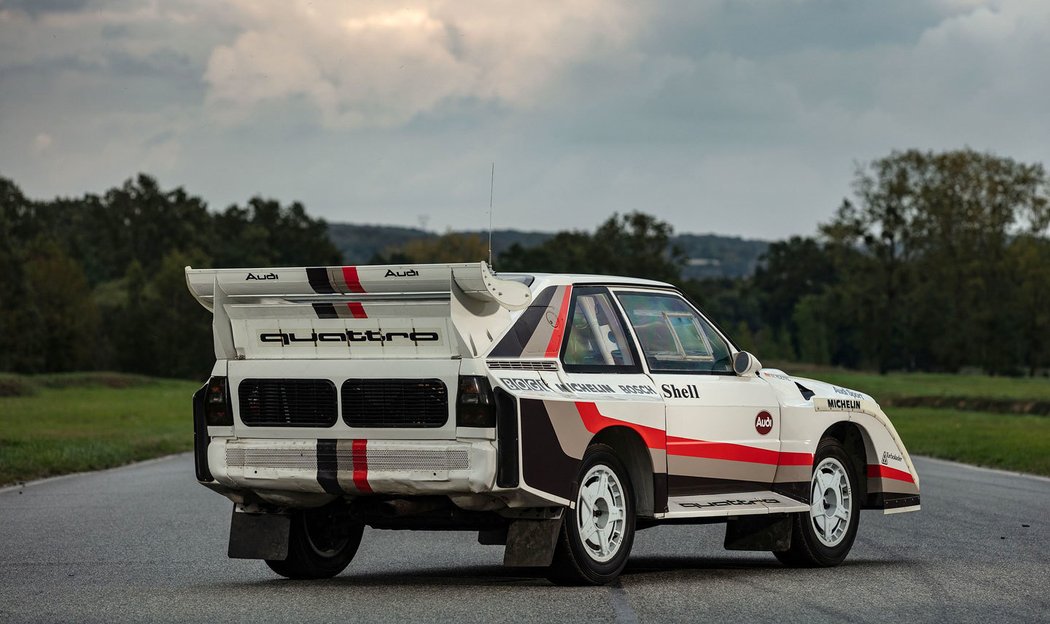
325, 310
544, 465
513, 343
319, 281
328, 466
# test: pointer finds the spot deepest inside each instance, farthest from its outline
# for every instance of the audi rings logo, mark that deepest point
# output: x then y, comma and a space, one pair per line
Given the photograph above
763, 423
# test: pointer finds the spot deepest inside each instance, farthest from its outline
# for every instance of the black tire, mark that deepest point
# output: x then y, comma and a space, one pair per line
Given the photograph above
321, 544
577, 563
807, 548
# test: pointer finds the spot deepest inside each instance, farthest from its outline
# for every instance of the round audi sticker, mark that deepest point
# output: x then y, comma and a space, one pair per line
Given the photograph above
763, 423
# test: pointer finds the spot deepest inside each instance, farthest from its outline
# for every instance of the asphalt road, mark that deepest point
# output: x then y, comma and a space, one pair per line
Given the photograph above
146, 543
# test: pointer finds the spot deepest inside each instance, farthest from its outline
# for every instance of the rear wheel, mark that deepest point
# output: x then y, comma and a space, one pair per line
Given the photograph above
321, 544
597, 535
823, 536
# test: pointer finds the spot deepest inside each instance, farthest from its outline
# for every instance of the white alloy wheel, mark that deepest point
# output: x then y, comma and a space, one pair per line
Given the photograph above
832, 502
601, 513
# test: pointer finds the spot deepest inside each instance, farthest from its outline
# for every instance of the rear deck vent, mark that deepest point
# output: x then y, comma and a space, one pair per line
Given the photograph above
287, 402
395, 403
535, 365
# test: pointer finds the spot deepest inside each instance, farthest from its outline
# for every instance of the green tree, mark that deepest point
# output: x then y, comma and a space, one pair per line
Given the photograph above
631, 245
66, 318
448, 248
265, 233
933, 230
789, 271
1030, 262
20, 335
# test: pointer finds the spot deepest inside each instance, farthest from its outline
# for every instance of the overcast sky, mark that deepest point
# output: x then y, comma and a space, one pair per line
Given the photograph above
743, 117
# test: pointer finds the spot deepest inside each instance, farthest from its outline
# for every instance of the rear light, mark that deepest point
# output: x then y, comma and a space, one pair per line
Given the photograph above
475, 405
217, 411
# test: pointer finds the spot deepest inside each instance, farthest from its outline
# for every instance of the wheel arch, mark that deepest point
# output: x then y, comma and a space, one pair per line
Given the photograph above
631, 449
859, 447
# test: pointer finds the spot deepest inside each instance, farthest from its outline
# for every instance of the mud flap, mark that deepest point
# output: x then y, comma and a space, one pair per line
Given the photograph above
769, 533
531, 543
259, 536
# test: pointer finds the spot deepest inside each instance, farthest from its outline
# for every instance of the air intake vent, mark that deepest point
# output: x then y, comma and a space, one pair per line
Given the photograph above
287, 402
536, 365
386, 403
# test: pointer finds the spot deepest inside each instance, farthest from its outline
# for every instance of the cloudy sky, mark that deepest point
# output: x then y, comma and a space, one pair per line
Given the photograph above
742, 117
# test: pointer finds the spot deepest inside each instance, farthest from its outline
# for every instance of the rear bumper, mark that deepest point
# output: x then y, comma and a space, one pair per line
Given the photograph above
349, 467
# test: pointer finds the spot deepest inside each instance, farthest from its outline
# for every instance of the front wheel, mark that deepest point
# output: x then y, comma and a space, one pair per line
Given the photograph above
321, 544
597, 534
823, 536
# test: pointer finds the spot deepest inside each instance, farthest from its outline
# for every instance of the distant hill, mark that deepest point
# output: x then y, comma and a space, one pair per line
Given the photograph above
710, 255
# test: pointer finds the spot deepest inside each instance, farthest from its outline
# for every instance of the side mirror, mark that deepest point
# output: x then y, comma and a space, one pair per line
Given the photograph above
745, 364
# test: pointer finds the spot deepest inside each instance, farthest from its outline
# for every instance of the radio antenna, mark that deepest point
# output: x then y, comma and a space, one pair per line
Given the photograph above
492, 186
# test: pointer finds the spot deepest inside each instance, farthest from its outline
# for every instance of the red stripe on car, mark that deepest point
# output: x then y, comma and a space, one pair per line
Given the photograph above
795, 459
654, 438
885, 472
554, 346
685, 447
356, 309
360, 455
353, 282
595, 421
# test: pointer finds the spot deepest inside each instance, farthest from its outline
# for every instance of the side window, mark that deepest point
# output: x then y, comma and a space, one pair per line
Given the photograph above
596, 338
673, 337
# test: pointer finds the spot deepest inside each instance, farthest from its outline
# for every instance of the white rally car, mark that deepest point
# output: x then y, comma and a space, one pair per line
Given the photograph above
555, 414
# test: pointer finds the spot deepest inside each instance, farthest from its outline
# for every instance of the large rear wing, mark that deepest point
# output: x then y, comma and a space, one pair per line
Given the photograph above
404, 311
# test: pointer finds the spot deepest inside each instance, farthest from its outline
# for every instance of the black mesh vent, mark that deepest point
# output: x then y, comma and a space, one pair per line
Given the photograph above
408, 403
287, 402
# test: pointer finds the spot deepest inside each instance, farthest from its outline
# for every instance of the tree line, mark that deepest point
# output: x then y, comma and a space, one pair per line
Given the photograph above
938, 261
97, 282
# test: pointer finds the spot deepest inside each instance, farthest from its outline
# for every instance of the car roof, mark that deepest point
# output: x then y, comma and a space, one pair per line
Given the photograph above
542, 280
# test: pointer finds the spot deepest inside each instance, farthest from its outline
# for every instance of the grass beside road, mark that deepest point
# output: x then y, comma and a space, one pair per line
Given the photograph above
56, 424
979, 433
1007, 441
910, 385
71, 423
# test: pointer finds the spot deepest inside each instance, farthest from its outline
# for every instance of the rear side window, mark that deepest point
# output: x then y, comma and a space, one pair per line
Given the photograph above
673, 337
596, 339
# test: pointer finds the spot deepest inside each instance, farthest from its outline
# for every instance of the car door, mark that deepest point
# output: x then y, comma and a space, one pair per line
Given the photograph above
722, 429
600, 363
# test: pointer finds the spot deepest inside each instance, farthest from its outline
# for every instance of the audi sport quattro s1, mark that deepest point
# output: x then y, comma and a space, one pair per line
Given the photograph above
552, 414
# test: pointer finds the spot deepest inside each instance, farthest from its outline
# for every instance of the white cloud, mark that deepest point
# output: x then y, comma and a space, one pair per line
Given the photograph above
41, 142
382, 63
737, 117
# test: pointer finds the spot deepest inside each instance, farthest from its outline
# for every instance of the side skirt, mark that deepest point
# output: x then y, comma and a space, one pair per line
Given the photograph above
725, 505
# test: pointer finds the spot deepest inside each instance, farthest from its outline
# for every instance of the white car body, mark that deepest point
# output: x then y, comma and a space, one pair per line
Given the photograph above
697, 444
